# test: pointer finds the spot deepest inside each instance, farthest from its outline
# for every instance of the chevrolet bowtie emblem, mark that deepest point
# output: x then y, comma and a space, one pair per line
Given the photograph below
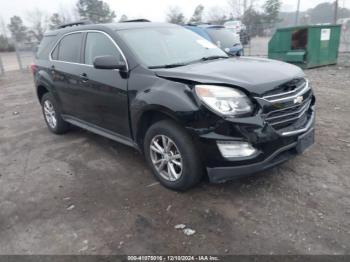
298, 100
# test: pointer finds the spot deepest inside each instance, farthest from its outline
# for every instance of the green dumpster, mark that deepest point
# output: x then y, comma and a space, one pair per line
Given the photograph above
306, 46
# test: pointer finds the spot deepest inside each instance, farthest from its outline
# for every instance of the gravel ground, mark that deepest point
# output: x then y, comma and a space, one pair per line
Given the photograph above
83, 194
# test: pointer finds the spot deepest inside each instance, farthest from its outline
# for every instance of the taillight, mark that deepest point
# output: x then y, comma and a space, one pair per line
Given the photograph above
33, 67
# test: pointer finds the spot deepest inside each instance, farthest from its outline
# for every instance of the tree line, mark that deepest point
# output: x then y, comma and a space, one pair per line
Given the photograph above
256, 18
259, 20
235, 10
98, 11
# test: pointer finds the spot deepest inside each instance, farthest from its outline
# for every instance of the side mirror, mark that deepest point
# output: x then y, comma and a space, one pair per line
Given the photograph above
109, 62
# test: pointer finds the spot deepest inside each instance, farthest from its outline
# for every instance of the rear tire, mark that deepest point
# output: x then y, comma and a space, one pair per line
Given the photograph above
172, 156
52, 115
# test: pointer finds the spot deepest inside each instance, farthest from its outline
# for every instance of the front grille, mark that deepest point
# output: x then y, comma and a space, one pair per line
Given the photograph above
289, 109
282, 118
287, 89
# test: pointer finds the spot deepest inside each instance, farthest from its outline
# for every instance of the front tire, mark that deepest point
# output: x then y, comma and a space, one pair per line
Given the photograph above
52, 115
172, 156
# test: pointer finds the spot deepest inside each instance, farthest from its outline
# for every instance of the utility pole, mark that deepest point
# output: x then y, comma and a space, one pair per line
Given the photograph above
245, 6
297, 14
336, 5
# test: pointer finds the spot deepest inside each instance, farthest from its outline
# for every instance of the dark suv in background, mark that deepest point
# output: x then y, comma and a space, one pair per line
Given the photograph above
220, 36
176, 97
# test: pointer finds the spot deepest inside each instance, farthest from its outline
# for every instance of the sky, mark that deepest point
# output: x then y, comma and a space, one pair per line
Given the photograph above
155, 10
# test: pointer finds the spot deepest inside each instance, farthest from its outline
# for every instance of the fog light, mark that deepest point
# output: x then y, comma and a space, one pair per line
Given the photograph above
236, 149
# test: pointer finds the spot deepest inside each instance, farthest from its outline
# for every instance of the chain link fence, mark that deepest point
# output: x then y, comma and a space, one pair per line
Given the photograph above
20, 59
345, 38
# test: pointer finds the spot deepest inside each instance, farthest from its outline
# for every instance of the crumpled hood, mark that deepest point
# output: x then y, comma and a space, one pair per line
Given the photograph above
256, 75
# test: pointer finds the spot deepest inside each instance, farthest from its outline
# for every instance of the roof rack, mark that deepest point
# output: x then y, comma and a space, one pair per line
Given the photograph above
81, 22
136, 20
198, 24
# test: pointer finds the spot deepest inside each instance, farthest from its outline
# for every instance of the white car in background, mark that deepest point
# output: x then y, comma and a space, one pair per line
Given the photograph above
238, 28
234, 25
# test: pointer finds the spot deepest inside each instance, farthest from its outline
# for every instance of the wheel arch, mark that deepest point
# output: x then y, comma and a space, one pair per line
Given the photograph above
154, 99
44, 84
149, 117
41, 91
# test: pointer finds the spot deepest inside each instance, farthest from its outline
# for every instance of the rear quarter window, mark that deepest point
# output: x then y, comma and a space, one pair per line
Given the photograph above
45, 47
54, 54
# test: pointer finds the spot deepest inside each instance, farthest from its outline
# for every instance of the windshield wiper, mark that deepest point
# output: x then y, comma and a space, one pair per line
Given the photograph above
191, 62
168, 65
213, 57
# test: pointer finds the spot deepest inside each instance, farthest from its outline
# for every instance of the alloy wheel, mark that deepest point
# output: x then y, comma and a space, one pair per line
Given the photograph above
50, 114
166, 158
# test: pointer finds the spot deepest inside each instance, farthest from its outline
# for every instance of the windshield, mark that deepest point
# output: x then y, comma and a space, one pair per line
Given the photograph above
223, 38
156, 47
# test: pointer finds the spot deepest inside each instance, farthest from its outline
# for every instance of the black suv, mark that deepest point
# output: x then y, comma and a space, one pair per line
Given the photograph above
177, 98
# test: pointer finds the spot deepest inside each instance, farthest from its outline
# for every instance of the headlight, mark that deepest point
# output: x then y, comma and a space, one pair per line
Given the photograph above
224, 100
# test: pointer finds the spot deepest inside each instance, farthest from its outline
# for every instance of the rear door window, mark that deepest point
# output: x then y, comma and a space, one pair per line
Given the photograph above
70, 48
98, 44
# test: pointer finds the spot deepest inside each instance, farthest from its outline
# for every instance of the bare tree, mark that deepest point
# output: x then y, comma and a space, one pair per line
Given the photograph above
271, 11
251, 4
239, 7
175, 15
3, 27
97, 11
63, 15
38, 20
236, 7
197, 15
216, 15
55, 20
123, 18
68, 13
17, 28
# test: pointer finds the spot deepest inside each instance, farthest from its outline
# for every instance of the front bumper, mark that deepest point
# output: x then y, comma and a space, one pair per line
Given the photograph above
277, 129
274, 148
222, 174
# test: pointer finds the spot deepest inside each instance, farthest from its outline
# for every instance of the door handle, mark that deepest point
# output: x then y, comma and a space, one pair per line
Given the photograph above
84, 77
